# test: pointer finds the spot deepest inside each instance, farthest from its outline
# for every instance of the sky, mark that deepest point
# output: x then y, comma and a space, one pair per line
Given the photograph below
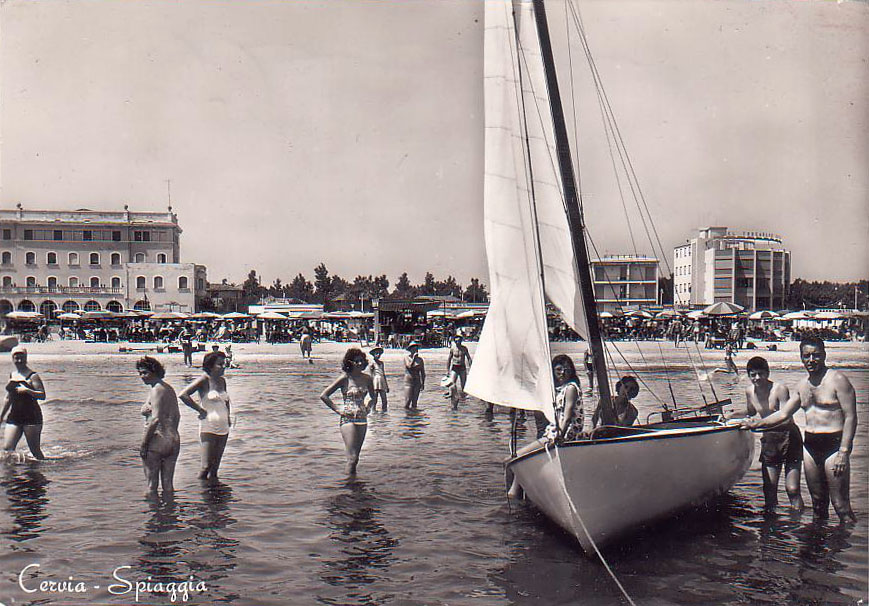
350, 132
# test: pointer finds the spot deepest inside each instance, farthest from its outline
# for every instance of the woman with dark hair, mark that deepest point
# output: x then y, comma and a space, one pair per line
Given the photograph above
213, 409
622, 413
568, 401
161, 441
23, 392
354, 384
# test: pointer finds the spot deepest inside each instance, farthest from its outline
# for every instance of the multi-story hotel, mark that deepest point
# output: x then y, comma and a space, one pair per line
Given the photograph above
751, 269
86, 260
625, 282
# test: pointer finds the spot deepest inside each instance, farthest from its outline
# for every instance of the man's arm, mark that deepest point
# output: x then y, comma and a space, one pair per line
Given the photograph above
786, 412
848, 402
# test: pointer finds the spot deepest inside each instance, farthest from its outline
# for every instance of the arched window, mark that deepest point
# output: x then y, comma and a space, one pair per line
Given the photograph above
182, 283
161, 258
47, 308
73, 282
116, 282
140, 257
142, 306
52, 284
30, 258
140, 282
31, 281
158, 282
95, 282
115, 307
7, 281
73, 259
7, 257
5, 307
51, 258
69, 307
92, 306
95, 258
116, 258
26, 305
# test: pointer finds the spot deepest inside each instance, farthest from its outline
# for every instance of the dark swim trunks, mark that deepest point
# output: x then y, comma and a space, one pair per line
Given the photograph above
821, 445
781, 445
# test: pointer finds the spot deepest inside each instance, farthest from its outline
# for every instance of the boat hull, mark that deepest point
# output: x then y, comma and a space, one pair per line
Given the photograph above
7, 343
618, 485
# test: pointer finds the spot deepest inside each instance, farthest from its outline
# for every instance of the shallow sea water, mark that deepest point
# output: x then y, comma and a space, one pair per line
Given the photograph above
425, 522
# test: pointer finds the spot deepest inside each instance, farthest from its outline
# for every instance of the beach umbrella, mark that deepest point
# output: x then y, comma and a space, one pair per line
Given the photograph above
763, 315
24, 315
723, 308
797, 315
271, 315
68, 316
205, 315
97, 315
168, 315
605, 315
639, 313
466, 314
696, 314
667, 313
235, 315
828, 315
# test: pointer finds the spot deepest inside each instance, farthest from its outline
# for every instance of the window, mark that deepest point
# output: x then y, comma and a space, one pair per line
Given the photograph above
73, 282
116, 258
30, 258
7, 257
116, 236
115, 307
51, 258
31, 281
182, 283
87, 235
28, 234
52, 283
92, 306
140, 257
142, 236
70, 306
73, 259
7, 234
142, 306
140, 282
7, 281
158, 282
58, 235
161, 258
116, 282
95, 258
47, 308
95, 282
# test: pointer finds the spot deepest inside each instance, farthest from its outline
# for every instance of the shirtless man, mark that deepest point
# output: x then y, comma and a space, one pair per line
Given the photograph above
305, 342
161, 442
830, 404
779, 446
458, 362
414, 376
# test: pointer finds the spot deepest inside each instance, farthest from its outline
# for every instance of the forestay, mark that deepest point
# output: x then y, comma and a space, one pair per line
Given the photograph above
522, 202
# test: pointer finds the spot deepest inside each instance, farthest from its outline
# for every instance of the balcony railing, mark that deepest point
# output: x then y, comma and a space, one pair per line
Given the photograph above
60, 290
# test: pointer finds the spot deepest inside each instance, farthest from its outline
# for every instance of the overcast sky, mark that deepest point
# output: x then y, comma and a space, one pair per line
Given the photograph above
351, 131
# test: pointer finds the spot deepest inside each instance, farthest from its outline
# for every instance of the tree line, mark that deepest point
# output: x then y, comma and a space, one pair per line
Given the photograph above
327, 287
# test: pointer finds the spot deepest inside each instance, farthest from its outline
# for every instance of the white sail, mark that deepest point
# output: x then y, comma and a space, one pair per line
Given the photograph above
511, 363
523, 201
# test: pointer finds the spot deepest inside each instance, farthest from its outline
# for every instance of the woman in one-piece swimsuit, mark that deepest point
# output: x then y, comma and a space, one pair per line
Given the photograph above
213, 410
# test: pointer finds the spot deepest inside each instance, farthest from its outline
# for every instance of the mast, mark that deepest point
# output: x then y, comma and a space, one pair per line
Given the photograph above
574, 218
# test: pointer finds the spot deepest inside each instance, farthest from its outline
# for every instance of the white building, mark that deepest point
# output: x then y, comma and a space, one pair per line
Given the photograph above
751, 269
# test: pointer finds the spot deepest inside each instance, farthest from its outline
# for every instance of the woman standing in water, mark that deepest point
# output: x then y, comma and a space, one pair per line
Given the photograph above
378, 375
354, 384
414, 376
161, 442
23, 392
213, 409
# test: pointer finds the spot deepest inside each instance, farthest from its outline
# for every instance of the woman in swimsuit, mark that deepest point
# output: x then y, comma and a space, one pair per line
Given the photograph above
414, 376
161, 441
213, 409
23, 393
354, 384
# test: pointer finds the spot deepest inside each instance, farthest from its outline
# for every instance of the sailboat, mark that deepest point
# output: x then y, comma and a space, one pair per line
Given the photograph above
622, 478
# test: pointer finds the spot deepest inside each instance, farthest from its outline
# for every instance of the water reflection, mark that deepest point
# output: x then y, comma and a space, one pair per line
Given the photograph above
365, 546
413, 424
27, 491
215, 555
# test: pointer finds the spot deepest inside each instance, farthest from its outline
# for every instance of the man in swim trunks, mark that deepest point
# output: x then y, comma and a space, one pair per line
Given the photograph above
305, 344
779, 446
23, 392
458, 361
414, 376
830, 404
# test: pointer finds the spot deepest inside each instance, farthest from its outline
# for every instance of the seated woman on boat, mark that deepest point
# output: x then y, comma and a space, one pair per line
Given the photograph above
622, 413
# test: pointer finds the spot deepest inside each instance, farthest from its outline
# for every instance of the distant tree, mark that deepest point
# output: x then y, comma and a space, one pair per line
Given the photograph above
428, 286
448, 287
811, 295
322, 284
665, 288
276, 289
300, 288
380, 287
403, 288
476, 292
251, 290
